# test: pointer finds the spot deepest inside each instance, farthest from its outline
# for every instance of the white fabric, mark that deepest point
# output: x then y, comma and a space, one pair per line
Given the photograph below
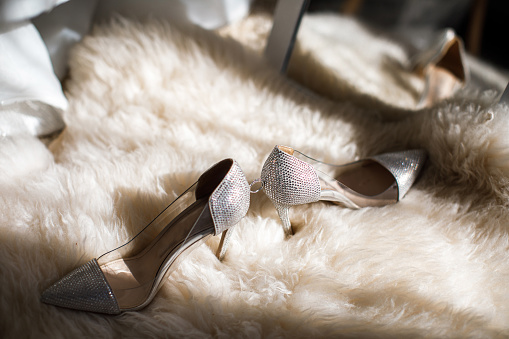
31, 99
16, 11
209, 14
26, 72
152, 107
63, 27
29, 90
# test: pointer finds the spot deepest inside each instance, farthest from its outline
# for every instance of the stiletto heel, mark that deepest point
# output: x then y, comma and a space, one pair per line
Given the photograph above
284, 214
443, 67
288, 181
127, 278
292, 178
223, 243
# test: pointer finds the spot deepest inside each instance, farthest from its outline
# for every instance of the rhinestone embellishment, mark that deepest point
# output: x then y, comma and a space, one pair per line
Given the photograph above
288, 180
84, 289
230, 200
404, 166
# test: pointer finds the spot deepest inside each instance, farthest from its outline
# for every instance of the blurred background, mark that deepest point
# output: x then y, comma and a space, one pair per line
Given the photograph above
483, 24
36, 37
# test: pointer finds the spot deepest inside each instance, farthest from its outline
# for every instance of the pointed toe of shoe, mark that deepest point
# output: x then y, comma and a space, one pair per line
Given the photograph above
404, 166
84, 289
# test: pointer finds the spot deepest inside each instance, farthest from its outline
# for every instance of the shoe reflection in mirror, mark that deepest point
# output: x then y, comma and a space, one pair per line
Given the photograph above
443, 67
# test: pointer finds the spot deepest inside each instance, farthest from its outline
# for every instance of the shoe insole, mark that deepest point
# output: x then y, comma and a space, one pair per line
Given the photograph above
440, 84
452, 61
362, 184
445, 77
132, 279
368, 178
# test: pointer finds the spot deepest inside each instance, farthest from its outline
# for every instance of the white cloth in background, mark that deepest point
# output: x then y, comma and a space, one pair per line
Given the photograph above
63, 27
12, 12
208, 14
33, 54
31, 97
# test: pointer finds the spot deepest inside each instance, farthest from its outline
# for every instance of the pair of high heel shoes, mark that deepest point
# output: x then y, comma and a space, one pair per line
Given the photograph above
128, 278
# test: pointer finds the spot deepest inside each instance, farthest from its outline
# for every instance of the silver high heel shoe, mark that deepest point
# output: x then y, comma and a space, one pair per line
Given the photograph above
291, 178
127, 278
443, 67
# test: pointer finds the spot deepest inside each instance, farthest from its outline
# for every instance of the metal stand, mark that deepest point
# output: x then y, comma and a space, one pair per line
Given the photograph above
505, 96
287, 18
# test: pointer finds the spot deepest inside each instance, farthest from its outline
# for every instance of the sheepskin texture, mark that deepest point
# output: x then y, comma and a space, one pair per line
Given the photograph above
153, 105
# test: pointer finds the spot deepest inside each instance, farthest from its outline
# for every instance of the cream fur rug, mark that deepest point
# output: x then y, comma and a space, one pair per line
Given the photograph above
152, 106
